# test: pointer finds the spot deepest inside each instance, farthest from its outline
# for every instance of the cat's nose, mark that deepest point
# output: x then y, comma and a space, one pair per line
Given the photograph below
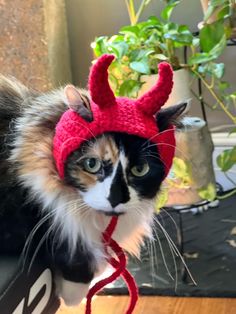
119, 192
119, 196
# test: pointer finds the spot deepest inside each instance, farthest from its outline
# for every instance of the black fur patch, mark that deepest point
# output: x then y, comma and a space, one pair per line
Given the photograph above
137, 151
107, 168
119, 193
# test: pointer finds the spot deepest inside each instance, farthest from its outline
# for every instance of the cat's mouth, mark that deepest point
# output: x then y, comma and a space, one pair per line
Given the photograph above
111, 213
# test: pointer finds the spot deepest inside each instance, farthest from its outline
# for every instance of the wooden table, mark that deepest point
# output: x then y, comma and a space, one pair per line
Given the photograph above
158, 305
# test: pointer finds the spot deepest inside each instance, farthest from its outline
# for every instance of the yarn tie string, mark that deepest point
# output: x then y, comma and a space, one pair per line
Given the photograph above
119, 266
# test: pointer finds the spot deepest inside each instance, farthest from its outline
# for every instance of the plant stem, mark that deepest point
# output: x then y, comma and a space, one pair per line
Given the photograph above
131, 11
211, 90
200, 98
222, 197
133, 16
141, 8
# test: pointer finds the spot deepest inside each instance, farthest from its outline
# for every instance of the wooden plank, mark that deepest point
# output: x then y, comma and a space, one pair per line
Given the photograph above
157, 305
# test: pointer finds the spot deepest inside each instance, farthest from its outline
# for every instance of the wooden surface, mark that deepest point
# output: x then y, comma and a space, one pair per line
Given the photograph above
158, 305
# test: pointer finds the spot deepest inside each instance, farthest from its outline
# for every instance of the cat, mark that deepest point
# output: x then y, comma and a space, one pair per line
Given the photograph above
64, 219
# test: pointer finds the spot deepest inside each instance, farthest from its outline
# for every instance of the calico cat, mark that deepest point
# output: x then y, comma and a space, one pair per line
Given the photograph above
111, 174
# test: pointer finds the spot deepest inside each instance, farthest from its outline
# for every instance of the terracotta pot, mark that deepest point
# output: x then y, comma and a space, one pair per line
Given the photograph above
180, 92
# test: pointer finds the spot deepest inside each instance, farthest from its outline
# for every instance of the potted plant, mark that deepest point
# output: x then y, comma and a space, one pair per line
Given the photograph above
139, 47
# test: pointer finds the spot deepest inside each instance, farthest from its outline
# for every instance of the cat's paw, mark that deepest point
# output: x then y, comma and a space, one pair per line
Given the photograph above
73, 292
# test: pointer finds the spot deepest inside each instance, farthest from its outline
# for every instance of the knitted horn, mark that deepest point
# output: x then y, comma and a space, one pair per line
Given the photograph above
99, 87
156, 97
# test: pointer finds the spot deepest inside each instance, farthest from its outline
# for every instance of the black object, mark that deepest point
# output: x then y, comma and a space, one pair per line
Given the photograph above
209, 253
26, 293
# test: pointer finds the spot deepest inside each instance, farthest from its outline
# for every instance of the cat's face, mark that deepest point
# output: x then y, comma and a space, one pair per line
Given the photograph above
115, 172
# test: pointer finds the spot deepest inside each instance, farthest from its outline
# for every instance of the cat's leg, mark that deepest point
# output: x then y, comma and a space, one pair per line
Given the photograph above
72, 292
75, 273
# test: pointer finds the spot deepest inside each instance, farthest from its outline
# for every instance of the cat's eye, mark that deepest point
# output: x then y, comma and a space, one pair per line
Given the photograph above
140, 170
92, 165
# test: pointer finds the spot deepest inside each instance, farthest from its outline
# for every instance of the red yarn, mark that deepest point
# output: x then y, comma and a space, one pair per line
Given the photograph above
120, 270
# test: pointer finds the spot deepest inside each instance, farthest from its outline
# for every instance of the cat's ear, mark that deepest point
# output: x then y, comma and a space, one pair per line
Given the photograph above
171, 115
78, 102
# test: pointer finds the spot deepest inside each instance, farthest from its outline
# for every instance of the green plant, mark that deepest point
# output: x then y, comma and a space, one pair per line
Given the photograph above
225, 161
222, 8
139, 48
134, 15
211, 76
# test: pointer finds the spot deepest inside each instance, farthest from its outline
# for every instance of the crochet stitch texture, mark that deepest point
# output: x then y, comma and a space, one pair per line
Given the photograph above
116, 114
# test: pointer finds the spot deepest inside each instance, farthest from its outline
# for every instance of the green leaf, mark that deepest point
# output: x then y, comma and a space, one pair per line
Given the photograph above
113, 82
232, 131
233, 155
130, 30
99, 45
140, 66
161, 57
208, 193
196, 41
224, 12
140, 54
119, 48
216, 3
168, 27
223, 85
166, 12
226, 159
209, 56
198, 58
180, 38
218, 70
161, 199
153, 20
211, 35
113, 50
218, 49
215, 69
129, 88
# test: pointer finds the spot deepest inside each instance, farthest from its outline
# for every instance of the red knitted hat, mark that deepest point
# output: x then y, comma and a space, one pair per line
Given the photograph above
116, 114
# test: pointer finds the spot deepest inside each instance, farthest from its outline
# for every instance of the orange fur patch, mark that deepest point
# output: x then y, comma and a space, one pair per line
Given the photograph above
104, 148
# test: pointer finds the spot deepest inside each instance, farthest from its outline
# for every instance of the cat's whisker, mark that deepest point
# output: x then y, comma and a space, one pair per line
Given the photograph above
171, 218
156, 135
174, 262
153, 254
26, 248
87, 128
55, 228
174, 248
183, 154
50, 229
162, 253
157, 157
37, 250
176, 251
49, 215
